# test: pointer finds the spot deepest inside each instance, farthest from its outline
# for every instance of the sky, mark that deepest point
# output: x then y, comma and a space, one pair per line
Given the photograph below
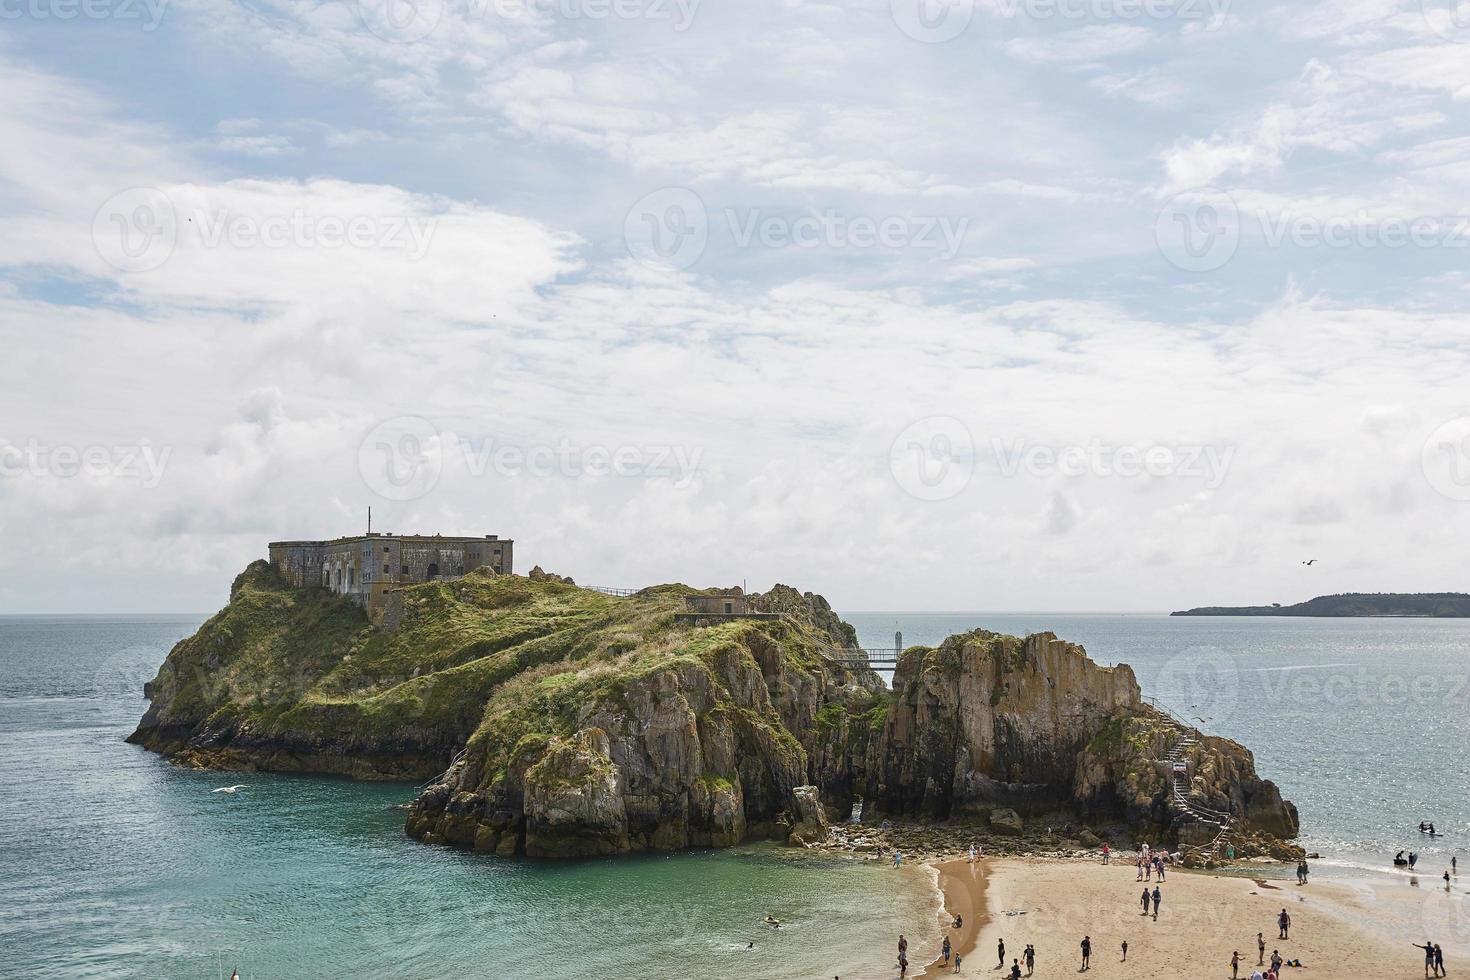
917, 304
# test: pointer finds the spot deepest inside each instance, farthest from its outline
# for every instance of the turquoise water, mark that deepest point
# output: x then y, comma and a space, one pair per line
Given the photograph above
118, 865
1363, 723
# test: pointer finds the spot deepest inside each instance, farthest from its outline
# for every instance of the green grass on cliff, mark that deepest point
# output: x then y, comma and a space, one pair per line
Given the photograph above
502, 661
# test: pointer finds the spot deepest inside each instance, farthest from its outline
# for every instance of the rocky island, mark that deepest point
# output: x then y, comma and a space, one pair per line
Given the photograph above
1438, 605
550, 720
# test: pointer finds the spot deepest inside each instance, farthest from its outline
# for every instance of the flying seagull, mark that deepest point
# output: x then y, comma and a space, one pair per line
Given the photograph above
229, 789
1312, 562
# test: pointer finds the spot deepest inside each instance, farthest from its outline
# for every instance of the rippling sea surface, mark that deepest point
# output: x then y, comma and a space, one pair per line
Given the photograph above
118, 865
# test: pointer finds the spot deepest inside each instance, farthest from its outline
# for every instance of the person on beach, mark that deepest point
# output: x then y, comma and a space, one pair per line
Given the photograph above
1276, 962
945, 951
1261, 949
1000, 952
897, 857
1428, 948
1438, 961
1160, 867
1125, 951
1235, 965
1015, 973
903, 945
1030, 957
1107, 853
1140, 870
1446, 881
1157, 898
1146, 898
957, 959
972, 853
1455, 866
1086, 953
1283, 922
903, 965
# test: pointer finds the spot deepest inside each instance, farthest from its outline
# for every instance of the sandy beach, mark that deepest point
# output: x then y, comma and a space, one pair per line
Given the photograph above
1339, 928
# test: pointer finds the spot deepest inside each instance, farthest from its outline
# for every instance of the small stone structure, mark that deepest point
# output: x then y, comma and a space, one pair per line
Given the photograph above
703, 609
366, 568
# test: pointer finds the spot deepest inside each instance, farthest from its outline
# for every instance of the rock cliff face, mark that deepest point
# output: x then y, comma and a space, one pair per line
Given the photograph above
574, 723
986, 719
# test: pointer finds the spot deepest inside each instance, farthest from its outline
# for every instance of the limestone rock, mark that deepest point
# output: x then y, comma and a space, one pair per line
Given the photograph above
1006, 821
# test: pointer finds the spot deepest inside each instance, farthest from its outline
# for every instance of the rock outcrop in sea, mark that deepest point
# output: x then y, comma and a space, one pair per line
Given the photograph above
551, 720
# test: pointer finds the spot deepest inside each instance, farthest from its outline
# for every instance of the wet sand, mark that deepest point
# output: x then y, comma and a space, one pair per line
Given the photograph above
1203, 918
963, 886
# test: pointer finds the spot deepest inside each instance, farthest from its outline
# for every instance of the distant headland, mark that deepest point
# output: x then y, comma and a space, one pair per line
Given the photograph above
1416, 605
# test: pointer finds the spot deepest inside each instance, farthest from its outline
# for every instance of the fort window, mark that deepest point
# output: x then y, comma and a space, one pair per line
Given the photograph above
385, 569
404, 570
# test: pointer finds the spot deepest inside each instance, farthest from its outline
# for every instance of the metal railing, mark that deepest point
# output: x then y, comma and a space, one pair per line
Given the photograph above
606, 590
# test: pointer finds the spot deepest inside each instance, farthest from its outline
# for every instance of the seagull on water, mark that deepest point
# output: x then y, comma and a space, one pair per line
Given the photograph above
229, 789
1312, 562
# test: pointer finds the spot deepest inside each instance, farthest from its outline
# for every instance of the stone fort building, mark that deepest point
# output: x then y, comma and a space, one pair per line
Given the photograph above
366, 568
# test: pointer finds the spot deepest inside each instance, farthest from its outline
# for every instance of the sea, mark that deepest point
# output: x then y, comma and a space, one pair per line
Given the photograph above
117, 865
